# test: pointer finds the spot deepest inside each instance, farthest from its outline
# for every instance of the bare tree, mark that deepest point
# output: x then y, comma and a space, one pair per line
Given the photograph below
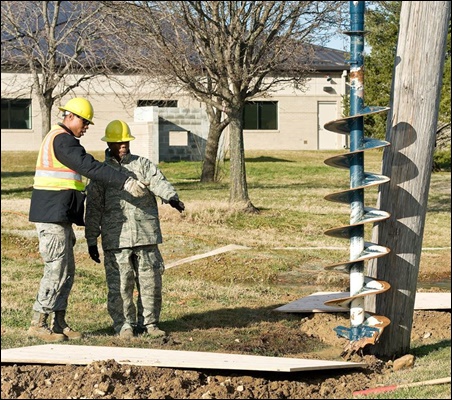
225, 53
60, 43
411, 130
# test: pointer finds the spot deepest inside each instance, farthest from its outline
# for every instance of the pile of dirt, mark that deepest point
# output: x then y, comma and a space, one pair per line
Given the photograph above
111, 380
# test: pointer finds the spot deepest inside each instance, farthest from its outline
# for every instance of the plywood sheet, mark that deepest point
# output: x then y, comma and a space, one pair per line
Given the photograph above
82, 355
315, 302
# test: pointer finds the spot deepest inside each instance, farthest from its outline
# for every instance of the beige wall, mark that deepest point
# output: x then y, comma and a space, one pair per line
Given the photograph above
298, 112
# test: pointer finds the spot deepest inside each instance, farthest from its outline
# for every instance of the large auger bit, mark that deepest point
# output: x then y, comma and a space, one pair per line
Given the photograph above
365, 328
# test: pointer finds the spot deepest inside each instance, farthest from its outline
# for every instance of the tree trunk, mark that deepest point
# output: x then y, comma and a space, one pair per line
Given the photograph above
46, 105
239, 187
411, 130
209, 166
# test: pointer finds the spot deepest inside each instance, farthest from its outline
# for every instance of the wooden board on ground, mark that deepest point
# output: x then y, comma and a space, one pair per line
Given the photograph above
315, 302
229, 247
82, 355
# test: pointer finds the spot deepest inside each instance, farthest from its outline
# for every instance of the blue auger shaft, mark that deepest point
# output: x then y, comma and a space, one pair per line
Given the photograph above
357, 161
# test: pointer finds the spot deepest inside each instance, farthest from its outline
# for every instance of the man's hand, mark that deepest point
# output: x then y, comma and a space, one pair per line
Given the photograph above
177, 204
94, 253
135, 188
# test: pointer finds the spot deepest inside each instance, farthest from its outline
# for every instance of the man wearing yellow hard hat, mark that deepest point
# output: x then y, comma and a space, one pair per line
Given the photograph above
57, 202
130, 234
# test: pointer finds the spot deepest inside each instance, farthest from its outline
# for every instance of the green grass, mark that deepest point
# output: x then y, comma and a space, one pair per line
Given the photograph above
211, 302
432, 362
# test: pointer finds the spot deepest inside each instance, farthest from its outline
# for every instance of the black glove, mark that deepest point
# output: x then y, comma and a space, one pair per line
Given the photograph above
94, 253
177, 204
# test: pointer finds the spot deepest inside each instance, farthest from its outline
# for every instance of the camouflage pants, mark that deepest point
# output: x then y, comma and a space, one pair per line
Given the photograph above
143, 266
56, 245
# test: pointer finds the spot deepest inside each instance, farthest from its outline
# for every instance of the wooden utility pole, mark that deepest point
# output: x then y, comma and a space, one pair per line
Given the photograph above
411, 130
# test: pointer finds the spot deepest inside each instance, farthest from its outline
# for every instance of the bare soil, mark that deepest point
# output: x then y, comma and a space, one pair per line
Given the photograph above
111, 380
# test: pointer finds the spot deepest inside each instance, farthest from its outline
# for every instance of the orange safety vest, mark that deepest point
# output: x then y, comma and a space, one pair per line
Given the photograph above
50, 173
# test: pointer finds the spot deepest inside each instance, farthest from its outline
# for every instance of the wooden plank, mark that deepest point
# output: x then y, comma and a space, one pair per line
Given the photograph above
315, 302
82, 355
432, 301
220, 250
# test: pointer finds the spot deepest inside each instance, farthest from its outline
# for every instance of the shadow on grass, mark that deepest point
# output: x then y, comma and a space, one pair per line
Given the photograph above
17, 174
424, 350
267, 159
439, 205
262, 185
107, 331
17, 190
240, 317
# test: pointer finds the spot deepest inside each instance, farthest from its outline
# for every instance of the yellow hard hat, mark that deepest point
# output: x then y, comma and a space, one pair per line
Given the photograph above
80, 107
117, 131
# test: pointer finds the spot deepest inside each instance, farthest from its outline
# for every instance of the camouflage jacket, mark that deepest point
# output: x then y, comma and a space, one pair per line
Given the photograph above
119, 218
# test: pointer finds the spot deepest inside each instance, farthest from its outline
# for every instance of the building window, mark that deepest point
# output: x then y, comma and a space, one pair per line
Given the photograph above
262, 115
16, 113
157, 103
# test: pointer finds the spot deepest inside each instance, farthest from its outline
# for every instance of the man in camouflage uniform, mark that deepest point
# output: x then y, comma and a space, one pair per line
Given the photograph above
130, 233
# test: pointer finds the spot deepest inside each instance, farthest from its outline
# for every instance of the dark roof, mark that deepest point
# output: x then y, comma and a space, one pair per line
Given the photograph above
326, 59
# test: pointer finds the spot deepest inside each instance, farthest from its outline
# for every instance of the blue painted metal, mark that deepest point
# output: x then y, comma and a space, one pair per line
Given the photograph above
365, 328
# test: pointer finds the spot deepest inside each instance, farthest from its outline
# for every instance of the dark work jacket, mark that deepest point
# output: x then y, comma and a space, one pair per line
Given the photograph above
56, 206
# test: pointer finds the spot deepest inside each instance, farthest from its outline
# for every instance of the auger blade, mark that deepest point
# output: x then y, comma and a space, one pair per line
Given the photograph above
345, 125
346, 196
371, 287
371, 215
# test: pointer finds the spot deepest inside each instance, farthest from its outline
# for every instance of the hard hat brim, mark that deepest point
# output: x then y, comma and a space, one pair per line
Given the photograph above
105, 139
65, 109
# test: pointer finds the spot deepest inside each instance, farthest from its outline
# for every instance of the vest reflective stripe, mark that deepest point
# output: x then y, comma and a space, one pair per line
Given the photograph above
50, 173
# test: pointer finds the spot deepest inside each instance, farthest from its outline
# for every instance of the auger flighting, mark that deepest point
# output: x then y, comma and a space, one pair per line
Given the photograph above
365, 328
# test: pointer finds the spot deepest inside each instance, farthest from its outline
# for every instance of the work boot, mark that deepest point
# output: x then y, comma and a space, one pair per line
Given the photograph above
60, 326
126, 333
154, 331
39, 329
